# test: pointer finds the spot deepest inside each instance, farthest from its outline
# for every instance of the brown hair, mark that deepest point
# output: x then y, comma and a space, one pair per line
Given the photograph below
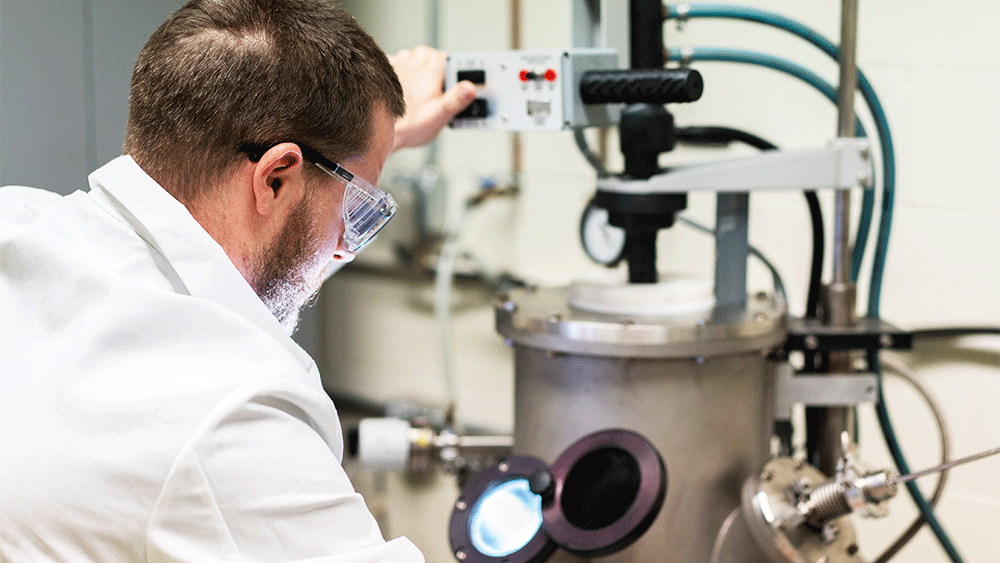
222, 73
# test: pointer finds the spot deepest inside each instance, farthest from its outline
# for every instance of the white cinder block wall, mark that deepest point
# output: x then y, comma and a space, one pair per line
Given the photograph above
936, 67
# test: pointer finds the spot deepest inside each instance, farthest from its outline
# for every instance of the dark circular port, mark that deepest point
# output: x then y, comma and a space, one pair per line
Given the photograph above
600, 488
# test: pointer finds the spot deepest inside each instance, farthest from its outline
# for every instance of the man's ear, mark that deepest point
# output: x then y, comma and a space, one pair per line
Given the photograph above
279, 179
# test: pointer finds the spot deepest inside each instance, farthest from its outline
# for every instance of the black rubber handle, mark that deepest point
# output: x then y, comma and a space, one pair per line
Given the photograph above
651, 86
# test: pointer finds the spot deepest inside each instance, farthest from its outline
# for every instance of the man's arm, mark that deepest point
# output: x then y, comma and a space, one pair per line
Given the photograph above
428, 107
262, 485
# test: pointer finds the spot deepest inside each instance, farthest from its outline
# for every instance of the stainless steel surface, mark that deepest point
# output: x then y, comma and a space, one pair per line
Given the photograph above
840, 299
700, 392
735, 543
542, 318
828, 389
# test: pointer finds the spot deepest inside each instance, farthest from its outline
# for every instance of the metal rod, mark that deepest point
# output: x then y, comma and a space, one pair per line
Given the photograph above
949, 465
433, 8
845, 128
827, 423
516, 152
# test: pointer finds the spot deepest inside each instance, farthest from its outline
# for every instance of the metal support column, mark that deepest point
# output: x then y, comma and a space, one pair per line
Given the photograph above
731, 248
825, 425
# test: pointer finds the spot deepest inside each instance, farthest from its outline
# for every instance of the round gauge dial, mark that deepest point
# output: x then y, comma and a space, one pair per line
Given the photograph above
603, 242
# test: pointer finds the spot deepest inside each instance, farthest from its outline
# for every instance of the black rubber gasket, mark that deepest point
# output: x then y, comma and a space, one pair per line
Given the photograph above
538, 549
639, 516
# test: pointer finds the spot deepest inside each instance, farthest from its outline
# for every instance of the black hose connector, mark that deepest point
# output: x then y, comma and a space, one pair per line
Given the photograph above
652, 86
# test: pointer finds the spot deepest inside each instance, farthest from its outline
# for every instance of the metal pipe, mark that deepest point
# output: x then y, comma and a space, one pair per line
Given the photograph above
944, 466
433, 11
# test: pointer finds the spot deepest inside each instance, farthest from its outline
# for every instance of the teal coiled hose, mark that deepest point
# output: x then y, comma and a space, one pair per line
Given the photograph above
888, 196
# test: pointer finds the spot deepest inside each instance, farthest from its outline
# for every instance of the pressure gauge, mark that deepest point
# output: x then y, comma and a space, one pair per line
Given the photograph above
603, 242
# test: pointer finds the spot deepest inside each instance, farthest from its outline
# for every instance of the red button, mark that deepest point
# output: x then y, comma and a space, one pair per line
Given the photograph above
524, 76
550, 75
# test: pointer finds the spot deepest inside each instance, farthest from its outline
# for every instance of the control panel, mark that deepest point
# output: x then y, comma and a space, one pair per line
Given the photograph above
531, 90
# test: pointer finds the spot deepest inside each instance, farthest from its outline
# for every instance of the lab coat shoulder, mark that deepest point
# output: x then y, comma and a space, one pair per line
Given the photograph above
20, 205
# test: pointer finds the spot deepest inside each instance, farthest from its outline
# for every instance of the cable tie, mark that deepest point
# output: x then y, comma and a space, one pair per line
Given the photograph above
687, 55
683, 15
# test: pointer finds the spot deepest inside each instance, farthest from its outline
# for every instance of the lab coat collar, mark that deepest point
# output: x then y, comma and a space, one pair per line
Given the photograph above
198, 260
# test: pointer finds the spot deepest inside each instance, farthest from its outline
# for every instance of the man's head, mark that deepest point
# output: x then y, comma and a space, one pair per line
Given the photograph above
221, 75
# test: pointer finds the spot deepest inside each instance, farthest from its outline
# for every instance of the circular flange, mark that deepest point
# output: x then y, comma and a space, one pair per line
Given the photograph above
478, 516
777, 526
543, 318
610, 486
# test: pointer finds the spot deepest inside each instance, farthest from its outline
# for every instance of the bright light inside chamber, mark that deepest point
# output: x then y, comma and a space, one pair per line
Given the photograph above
505, 518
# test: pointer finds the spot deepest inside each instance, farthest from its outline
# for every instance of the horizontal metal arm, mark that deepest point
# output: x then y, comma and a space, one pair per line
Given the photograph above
842, 164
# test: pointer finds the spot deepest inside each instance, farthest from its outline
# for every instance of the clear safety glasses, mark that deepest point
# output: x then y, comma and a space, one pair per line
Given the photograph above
366, 208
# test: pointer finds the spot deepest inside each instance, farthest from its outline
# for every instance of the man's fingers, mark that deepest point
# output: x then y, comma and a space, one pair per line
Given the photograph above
458, 98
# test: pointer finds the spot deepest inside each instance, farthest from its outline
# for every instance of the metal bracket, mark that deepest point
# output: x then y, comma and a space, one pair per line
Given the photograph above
827, 390
844, 163
866, 334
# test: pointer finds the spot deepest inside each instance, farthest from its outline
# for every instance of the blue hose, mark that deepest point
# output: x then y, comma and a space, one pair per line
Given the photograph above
769, 61
868, 201
885, 139
904, 467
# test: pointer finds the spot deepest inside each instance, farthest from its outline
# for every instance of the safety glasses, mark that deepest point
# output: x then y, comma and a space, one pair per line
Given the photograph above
366, 208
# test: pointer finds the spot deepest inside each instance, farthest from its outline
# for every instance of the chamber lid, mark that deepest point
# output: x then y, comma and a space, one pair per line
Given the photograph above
601, 494
677, 295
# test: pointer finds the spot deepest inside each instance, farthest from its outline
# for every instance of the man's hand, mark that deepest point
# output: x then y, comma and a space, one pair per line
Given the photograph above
428, 109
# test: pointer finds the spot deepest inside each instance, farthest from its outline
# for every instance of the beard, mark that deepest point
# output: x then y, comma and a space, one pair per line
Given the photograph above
290, 271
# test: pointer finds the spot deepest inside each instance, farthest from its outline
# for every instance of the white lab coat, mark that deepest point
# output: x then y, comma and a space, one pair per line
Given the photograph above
151, 406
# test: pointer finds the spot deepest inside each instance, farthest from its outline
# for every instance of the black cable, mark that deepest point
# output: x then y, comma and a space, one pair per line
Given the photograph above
713, 135
954, 332
816, 272
723, 136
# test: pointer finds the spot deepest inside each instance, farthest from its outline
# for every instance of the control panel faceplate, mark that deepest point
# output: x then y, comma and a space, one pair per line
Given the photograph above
531, 90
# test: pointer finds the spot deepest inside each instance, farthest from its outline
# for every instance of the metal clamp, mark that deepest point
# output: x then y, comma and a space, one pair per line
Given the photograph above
829, 389
810, 335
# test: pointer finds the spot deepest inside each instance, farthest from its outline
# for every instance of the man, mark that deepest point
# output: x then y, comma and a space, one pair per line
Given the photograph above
154, 407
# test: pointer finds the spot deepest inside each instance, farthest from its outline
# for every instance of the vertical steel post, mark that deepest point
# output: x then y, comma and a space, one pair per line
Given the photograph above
825, 425
845, 128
